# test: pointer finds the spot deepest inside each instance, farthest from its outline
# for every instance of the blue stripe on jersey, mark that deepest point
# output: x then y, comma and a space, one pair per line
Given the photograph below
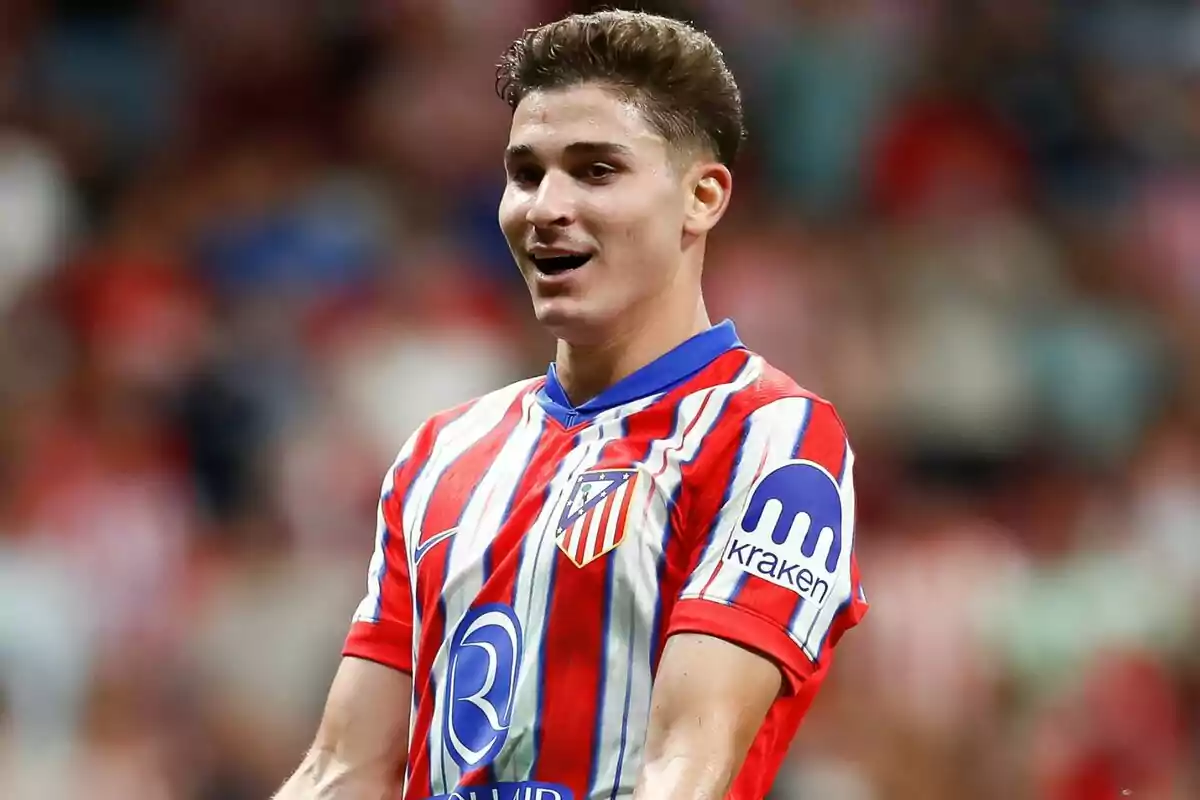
628, 695
660, 568
661, 375
386, 538
795, 453
541, 696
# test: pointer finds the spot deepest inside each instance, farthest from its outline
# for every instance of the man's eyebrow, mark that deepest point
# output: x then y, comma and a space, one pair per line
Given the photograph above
520, 152
598, 149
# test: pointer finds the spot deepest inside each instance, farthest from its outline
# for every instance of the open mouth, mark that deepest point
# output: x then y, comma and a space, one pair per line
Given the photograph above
557, 265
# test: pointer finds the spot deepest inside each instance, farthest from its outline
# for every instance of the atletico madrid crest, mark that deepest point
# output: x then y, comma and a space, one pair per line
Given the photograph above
593, 521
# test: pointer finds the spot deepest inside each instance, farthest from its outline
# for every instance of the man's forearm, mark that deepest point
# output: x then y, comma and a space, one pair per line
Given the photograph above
685, 777
360, 749
710, 699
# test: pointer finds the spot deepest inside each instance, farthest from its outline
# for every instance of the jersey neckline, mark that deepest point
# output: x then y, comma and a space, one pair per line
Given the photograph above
661, 375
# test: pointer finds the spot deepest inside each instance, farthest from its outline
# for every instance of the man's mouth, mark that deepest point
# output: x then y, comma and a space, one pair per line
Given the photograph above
558, 264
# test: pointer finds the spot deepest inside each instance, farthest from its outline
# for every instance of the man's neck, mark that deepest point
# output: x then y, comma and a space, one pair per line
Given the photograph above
586, 371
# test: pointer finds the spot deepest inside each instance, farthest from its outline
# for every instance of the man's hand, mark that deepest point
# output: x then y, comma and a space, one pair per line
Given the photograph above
362, 743
710, 698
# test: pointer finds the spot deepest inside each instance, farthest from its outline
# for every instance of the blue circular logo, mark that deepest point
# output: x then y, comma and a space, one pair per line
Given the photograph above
481, 684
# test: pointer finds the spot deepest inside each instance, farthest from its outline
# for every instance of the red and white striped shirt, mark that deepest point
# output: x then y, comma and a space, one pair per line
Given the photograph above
532, 558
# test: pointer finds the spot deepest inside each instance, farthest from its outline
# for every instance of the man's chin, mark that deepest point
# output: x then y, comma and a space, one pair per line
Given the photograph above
569, 321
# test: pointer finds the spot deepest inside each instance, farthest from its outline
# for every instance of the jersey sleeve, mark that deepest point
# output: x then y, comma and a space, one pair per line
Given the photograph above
771, 528
381, 629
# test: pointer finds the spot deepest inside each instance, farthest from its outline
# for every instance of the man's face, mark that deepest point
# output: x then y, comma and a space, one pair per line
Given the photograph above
593, 210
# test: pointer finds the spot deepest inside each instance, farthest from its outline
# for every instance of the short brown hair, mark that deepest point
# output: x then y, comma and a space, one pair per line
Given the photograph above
675, 73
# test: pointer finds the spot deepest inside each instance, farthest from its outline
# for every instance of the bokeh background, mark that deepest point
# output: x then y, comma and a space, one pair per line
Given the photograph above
246, 247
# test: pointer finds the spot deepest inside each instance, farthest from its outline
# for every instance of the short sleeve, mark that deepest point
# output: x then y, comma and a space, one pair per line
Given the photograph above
772, 535
381, 629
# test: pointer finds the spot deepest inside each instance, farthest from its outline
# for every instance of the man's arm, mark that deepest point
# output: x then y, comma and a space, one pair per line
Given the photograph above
710, 698
362, 743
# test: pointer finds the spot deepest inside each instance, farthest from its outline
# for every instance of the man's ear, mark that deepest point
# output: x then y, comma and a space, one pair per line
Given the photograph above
710, 185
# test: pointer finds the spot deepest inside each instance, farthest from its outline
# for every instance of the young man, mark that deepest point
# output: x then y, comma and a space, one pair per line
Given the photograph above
625, 578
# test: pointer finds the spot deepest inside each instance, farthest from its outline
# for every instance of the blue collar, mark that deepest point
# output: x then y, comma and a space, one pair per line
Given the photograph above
661, 375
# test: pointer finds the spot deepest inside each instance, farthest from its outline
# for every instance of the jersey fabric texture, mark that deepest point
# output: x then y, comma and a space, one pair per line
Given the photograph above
532, 558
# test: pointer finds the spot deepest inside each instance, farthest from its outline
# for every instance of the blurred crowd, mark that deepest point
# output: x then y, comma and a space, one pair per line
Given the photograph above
246, 247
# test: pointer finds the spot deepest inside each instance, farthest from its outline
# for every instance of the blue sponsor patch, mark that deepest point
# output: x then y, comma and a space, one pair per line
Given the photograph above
481, 684
806, 505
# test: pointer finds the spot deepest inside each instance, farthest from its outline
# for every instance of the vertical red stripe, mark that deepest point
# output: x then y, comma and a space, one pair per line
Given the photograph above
824, 441
395, 594
575, 632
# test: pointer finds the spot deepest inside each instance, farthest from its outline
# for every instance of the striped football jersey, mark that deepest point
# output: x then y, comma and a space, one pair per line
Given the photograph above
532, 557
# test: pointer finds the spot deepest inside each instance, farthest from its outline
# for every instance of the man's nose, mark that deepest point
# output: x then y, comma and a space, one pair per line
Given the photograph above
553, 206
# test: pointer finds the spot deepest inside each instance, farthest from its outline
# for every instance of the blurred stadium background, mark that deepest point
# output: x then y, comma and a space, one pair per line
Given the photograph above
246, 247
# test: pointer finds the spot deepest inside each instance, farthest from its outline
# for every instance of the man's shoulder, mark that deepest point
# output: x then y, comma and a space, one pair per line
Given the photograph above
497, 398
495, 401
772, 388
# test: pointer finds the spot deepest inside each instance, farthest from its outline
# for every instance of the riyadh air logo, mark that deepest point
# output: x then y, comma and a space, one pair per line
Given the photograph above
481, 684
517, 790
791, 530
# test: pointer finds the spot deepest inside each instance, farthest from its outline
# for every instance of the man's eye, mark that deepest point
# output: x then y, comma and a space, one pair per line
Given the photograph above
599, 172
526, 176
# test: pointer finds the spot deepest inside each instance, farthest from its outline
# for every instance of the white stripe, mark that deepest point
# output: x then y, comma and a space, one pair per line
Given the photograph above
368, 609
636, 594
812, 625
481, 522
774, 429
